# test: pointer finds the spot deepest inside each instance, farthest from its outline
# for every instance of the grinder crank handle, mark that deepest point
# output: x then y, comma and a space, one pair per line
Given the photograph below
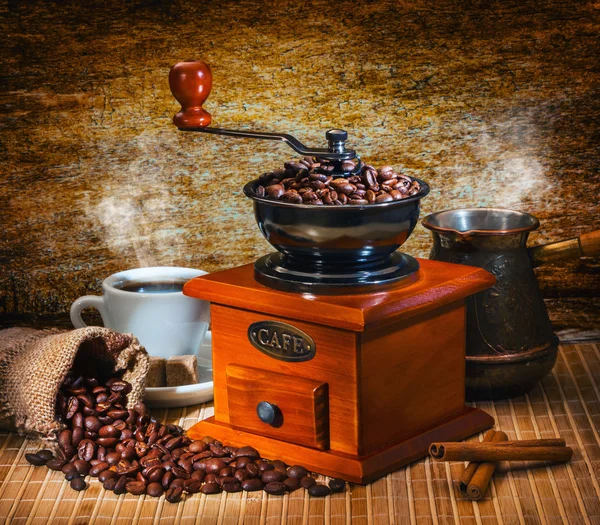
586, 245
191, 81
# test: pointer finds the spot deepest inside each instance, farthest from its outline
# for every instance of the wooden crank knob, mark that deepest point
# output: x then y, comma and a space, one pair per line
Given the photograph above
190, 82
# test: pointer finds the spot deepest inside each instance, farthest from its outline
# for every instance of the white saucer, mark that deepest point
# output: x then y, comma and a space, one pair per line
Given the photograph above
186, 395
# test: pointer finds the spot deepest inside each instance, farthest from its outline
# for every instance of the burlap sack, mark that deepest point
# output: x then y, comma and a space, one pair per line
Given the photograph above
34, 363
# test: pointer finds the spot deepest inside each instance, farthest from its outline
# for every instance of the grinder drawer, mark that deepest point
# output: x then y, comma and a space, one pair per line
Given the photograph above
285, 407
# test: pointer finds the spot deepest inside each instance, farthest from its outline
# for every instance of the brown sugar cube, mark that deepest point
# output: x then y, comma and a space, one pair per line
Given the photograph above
157, 374
182, 370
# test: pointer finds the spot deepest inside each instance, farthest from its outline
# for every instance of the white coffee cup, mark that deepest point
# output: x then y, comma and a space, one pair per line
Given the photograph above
166, 323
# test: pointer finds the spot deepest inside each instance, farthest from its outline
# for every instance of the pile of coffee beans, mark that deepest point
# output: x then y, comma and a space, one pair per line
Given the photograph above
129, 451
312, 181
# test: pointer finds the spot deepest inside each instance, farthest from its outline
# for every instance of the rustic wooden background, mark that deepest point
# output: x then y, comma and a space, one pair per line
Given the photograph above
493, 103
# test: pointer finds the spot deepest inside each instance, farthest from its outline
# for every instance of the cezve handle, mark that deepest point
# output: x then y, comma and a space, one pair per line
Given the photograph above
586, 245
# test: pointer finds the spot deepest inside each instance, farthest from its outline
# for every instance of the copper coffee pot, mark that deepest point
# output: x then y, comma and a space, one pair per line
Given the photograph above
510, 341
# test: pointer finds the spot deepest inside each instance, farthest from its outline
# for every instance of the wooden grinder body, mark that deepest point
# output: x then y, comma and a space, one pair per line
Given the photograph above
386, 376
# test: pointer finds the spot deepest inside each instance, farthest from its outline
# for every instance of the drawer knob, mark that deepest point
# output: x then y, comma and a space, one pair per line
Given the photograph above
269, 413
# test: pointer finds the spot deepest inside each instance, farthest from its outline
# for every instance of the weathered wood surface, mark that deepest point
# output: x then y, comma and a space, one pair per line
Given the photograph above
493, 104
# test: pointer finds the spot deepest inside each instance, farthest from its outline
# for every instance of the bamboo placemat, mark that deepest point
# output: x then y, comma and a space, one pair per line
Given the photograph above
566, 403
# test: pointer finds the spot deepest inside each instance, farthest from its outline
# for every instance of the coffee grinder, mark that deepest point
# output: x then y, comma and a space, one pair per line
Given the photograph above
336, 352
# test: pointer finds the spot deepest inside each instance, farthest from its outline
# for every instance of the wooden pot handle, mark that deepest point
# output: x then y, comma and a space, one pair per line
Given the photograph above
586, 245
190, 82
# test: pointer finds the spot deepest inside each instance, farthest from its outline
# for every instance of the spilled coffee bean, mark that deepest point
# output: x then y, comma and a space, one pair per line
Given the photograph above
129, 451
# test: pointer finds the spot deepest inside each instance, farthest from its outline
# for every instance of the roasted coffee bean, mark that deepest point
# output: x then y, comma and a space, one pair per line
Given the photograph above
296, 471
192, 486
337, 485
168, 465
174, 443
247, 452
252, 485
121, 386
102, 407
264, 466
45, 454
107, 442
77, 421
141, 448
173, 494
55, 464
155, 473
319, 490
252, 470
278, 464
118, 414
87, 449
307, 481
121, 485
88, 434
128, 453
36, 460
119, 425
155, 490
210, 488
291, 484
270, 476
180, 473
69, 471
214, 465
106, 474
92, 423
197, 446
275, 488
98, 468
136, 487
141, 477
112, 458
109, 431
78, 435
65, 439
83, 467
231, 486
78, 483
199, 475
240, 475
241, 462
167, 479
110, 483
384, 197
210, 478
227, 471
72, 407
85, 400
177, 482
217, 451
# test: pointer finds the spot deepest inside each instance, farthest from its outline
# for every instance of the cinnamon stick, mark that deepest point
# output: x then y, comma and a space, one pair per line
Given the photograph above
494, 452
466, 476
552, 442
481, 478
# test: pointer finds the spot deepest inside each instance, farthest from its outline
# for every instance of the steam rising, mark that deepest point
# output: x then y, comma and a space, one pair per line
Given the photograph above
135, 206
507, 169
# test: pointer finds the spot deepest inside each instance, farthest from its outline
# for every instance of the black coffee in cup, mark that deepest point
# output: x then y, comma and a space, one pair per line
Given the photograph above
151, 286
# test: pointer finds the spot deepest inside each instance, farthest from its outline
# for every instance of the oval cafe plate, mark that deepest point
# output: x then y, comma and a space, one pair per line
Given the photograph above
185, 395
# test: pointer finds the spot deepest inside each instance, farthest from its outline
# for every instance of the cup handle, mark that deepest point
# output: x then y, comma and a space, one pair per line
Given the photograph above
86, 301
206, 341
